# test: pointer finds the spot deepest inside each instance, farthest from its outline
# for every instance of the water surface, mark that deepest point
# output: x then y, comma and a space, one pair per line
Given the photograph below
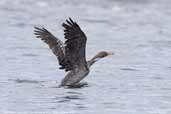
136, 80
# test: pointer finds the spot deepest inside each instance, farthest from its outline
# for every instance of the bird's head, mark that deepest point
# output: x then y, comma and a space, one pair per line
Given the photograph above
102, 54
99, 56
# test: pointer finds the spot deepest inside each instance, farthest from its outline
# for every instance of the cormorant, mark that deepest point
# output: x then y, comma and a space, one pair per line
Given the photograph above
71, 54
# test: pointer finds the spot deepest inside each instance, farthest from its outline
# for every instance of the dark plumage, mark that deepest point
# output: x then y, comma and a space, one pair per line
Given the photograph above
71, 54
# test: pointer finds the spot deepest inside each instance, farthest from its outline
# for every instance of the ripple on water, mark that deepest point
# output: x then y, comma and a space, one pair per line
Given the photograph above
20, 25
68, 98
80, 106
29, 54
96, 21
73, 97
25, 81
157, 78
129, 69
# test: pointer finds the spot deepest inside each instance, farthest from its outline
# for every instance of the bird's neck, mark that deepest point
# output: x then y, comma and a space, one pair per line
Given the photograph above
92, 61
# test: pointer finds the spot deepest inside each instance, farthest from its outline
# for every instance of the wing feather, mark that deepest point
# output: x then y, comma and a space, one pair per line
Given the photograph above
54, 44
75, 44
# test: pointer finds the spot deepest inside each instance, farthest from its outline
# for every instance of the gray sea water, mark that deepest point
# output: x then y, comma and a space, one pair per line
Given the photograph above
136, 80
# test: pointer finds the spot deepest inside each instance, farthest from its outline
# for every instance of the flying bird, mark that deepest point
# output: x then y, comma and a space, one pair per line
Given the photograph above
71, 54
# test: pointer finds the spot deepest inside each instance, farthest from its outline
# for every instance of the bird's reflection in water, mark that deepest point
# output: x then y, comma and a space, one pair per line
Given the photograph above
72, 93
25, 81
70, 96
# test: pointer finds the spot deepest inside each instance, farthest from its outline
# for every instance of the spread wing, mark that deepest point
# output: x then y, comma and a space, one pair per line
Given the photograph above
54, 44
75, 44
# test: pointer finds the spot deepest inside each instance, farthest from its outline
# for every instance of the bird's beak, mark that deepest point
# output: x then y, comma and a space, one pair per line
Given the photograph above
110, 53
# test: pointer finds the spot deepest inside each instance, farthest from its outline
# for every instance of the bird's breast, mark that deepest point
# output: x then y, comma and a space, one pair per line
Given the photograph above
75, 76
